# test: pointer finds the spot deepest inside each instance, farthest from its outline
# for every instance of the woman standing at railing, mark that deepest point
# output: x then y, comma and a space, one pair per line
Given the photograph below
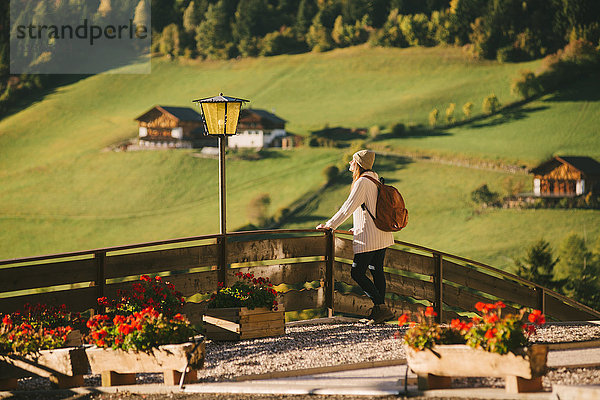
369, 242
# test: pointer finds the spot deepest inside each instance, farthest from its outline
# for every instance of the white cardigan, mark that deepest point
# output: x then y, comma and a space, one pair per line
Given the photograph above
367, 237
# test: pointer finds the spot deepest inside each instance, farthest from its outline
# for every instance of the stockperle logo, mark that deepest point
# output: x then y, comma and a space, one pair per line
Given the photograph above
80, 36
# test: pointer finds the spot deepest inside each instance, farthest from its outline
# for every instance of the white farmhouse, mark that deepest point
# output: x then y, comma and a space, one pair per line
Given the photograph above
258, 129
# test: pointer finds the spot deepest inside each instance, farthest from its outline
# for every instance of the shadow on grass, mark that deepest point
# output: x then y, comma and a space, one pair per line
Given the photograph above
584, 90
26, 100
418, 132
508, 116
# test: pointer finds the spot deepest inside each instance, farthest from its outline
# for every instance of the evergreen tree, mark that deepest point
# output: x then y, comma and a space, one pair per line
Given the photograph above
253, 19
213, 36
307, 9
193, 15
163, 13
538, 265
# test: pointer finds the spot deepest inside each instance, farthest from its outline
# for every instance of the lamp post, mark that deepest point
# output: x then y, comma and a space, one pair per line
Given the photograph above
220, 115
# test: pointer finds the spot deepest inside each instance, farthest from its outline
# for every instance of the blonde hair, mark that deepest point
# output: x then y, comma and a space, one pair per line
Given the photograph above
358, 171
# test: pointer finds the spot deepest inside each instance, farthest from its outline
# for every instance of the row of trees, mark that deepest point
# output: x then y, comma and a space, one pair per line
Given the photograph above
503, 29
574, 272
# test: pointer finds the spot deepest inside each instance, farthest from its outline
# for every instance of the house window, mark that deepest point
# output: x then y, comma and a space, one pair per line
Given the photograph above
580, 187
143, 131
536, 187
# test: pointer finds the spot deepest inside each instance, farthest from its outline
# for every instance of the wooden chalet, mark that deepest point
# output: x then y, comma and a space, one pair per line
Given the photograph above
566, 176
258, 129
177, 127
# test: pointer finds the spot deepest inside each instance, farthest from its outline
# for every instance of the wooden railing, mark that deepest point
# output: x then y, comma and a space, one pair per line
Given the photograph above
313, 265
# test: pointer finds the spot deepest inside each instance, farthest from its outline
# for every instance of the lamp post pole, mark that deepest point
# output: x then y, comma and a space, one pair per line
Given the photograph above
222, 194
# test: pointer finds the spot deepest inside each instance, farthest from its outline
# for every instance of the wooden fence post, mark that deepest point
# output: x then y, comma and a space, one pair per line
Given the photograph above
100, 282
541, 300
438, 286
222, 273
329, 259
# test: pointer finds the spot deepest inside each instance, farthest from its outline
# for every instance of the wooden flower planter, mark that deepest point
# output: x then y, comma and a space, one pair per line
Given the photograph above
239, 323
522, 372
118, 367
64, 367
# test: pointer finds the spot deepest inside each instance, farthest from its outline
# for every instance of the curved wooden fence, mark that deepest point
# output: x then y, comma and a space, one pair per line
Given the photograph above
313, 265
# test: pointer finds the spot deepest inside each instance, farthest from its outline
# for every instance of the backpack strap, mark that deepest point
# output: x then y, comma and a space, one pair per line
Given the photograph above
364, 205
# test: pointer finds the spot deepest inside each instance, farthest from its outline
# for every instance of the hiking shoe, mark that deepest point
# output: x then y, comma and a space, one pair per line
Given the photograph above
382, 314
369, 318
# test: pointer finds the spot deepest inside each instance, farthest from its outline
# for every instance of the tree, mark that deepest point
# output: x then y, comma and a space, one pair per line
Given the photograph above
433, 117
318, 37
193, 15
450, 113
169, 41
578, 269
526, 85
253, 19
258, 209
538, 265
467, 109
307, 9
163, 13
491, 104
213, 36
140, 17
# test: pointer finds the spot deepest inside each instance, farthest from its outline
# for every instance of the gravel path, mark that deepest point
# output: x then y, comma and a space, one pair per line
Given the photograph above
308, 346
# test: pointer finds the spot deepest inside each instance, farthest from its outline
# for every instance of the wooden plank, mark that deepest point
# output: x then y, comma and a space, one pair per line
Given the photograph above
220, 323
405, 261
557, 309
296, 300
44, 275
504, 289
161, 260
172, 378
465, 300
165, 357
67, 361
361, 305
343, 248
477, 362
75, 299
274, 249
259, 318
284, 273
262, 326
196, 282
395, 283
262, 333
188, 284
112, 378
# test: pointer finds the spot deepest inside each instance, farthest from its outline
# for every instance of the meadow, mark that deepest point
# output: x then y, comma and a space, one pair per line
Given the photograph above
62, 190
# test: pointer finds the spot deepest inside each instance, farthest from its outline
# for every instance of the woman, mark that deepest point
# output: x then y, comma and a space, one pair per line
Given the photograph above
369, 242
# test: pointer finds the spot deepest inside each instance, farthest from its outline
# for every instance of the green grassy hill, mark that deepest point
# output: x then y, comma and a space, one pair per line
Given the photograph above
61, 191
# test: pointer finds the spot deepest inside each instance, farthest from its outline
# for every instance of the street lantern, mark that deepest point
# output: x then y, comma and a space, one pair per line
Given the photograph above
220, 115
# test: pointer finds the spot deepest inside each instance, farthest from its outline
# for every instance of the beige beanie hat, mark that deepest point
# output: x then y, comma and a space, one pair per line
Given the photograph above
364, 158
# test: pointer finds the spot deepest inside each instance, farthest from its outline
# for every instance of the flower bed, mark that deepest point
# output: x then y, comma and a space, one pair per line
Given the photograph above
488, 345
246, 310
143, 331
32, 341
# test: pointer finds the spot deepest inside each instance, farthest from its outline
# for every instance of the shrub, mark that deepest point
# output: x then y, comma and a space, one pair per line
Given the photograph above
330, 172
491, 104
374, 131
483, 195
398, 129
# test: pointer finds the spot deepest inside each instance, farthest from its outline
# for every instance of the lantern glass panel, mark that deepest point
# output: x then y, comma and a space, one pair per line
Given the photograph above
214, 115
233, 113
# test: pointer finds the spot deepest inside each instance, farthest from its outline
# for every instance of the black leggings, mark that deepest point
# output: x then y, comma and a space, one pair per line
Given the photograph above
375, 289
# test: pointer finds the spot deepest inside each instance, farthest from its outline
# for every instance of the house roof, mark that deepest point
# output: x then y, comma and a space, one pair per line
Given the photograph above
181, 113
263, 114
587, 165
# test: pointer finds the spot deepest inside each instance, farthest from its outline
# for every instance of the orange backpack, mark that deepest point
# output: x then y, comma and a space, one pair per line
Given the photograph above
391, 214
